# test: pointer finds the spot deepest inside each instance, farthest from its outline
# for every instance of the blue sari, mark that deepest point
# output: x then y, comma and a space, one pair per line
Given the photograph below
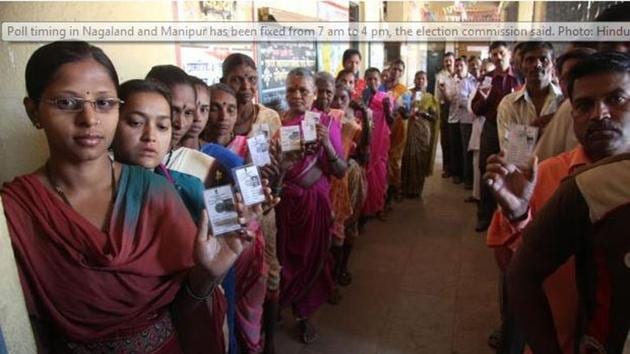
228, 161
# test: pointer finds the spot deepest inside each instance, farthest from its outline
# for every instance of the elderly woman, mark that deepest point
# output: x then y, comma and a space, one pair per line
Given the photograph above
304, 237
239, 72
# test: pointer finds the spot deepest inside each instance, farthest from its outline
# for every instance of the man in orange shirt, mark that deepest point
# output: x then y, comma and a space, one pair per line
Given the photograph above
599, 89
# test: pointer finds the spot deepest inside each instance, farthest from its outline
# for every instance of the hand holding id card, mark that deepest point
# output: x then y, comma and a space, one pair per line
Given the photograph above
249, 184
521, 141
221, 208
259, 150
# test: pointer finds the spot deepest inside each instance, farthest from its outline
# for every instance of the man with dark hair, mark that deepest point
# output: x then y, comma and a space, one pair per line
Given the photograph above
599, 89
474, 67
503, 81
448, 69
538, 100
457, 92
557, 136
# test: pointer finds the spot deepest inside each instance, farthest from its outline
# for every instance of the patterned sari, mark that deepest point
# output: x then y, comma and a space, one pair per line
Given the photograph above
339, 193
251, 276
304, 220
420, 137
398, 139
102, 291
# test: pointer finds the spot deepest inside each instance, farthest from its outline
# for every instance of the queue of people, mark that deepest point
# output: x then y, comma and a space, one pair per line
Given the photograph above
112, 236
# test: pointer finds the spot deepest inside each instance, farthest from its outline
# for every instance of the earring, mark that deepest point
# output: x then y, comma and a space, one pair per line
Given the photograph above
37, 124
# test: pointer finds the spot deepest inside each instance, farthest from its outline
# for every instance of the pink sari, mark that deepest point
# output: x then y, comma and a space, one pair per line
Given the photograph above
379, 156
304, 220
251, 277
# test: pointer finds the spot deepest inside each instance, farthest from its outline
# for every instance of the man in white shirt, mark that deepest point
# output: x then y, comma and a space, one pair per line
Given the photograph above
457, 93
538, 100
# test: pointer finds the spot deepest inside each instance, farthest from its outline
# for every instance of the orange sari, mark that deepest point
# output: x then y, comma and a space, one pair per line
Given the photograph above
339, 191
398, 140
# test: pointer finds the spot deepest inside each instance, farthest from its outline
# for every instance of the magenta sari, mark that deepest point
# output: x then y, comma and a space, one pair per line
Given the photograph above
379, 156
251, 277
304, 219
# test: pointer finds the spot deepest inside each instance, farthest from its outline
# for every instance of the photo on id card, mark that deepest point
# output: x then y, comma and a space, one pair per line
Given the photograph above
221, 207
290, 138
259, 150
313, 116
521, 141
309, 131
262, 128
249, 184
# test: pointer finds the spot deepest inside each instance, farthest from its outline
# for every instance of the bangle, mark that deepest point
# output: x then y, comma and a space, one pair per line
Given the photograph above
199, 298
333, 160
519, 218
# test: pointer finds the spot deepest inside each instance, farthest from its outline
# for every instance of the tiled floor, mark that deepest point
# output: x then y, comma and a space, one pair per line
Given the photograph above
423, 283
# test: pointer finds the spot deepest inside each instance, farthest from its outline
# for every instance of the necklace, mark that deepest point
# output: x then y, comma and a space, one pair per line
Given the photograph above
63, 196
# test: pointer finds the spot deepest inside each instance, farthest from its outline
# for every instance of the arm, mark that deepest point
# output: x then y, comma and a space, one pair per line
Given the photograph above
479, 103
548, 242
387, 111
331, 142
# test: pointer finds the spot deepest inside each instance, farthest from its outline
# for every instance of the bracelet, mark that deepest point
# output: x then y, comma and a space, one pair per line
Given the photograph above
334, 160
277, 191
199, 298
519, 218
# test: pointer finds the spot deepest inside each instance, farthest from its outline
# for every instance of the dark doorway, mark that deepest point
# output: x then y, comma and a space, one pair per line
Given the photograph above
435, 56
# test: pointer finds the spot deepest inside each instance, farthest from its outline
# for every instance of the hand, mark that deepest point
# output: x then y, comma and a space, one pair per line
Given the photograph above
323, 135
217, 255
272, 171
356, 105
387, 105
542, 121
401, 112
485, 91
512, 187
270, 199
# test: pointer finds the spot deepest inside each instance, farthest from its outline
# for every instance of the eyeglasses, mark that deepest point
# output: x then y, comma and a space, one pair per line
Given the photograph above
76, 104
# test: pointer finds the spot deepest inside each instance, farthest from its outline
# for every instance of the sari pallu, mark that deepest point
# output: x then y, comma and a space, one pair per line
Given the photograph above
376, 170
304, 221
251, 276
415, 163
87, 286
339, 193
398, 138
227, 160
190, 189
